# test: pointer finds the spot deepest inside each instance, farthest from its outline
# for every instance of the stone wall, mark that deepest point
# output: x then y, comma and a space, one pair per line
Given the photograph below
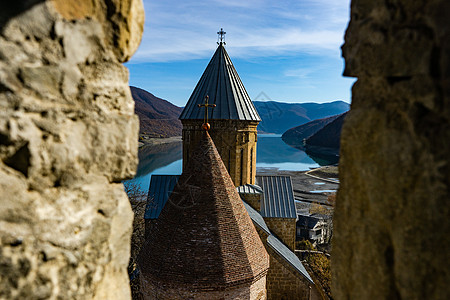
392, 216
254, 200
283, 283
68, 136
284, 229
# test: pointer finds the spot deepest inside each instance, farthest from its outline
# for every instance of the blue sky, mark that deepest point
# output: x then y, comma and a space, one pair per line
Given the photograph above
283, 50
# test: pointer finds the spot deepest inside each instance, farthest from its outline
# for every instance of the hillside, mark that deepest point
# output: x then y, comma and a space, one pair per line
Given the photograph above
277, 117
157, 117
295, 136
327, 137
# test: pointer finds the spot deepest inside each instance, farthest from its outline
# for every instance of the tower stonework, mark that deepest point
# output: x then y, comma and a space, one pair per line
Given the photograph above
236, 142
233, 120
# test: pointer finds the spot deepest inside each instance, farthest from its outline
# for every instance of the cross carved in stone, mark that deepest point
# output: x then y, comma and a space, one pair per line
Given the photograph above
206, 105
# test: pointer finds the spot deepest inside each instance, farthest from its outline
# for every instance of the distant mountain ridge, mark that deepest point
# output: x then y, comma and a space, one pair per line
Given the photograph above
278, 117
319, 137
157, 117
297, 136
329, 136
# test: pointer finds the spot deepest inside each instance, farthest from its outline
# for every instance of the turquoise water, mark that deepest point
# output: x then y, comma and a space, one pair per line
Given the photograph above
271, 153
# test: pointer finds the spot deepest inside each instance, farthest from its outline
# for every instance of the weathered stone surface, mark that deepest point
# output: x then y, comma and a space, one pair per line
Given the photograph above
391, 219
284, 229
68, 136
122, 21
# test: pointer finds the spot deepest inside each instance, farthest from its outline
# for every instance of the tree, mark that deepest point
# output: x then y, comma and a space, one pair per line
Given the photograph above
138, 201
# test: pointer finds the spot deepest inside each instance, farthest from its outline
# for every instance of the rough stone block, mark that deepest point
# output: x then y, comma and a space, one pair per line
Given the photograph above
68, 134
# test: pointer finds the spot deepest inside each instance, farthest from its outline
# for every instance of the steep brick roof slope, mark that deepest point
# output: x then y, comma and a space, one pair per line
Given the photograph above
204, 238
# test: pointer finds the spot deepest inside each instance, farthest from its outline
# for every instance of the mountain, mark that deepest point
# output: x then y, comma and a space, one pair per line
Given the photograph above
329, 137
296, 136
157, 117
277, 117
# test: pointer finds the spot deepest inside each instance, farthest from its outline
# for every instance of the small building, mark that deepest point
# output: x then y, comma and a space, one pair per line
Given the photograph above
314, 227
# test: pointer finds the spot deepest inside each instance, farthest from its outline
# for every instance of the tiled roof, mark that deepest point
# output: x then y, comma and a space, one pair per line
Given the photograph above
222, 84
278, 197
204, 238
288, 256
249, 189
161, 186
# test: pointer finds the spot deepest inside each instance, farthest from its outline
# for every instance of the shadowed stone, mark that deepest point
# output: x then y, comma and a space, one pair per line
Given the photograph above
391, 219
68, 136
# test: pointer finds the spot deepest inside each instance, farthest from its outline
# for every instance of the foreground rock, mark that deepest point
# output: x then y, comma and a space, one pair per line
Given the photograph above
68, 136
391, 236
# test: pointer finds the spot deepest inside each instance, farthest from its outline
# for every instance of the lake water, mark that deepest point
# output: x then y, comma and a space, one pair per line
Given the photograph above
271, 153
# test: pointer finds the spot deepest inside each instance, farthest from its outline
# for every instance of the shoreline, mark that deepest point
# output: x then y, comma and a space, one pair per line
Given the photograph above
159, 141
308, 188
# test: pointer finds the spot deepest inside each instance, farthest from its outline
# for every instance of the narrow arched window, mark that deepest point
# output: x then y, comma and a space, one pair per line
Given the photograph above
229, 161
242, 166
251, 165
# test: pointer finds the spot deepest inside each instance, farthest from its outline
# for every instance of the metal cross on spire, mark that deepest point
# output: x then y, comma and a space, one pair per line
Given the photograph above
221, 36
206, 125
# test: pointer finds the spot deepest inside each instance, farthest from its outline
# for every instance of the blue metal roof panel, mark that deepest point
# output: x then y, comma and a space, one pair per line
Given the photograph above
249, 189
278, 197
161, 186
221, 82
288, 256
256, 218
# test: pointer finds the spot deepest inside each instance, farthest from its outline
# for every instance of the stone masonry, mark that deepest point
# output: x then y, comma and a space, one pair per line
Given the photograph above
284, 283
391, 238
256, 291
236, 142
254, 200
68, 136
283, 229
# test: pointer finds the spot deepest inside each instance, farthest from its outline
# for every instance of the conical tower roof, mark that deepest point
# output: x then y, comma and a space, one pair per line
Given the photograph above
204, 238
222, 84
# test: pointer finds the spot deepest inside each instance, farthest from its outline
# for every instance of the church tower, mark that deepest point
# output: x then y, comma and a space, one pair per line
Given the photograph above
232, 116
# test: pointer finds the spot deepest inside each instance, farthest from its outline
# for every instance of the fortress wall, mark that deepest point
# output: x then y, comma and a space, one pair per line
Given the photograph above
391, 220
68, 136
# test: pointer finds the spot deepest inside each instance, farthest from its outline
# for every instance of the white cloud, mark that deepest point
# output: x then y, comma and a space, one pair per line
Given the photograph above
184, 30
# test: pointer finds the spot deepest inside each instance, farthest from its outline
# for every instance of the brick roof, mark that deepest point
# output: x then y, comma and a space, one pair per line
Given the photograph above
204, 238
